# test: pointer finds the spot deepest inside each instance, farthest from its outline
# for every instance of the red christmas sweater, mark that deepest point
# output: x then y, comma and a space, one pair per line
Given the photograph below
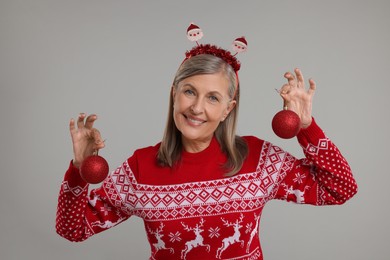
192, 211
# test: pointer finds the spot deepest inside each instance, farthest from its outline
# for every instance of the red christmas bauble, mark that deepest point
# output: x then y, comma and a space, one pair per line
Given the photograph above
286, 124
94, 169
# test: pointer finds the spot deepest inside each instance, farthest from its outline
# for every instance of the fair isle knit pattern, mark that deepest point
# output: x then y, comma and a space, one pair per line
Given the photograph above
212, 218
242, 192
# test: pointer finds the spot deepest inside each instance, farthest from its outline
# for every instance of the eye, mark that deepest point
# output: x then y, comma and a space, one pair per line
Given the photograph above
213, 99
189, 92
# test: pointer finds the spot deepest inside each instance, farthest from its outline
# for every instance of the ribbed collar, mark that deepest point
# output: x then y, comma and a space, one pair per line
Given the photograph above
211, 151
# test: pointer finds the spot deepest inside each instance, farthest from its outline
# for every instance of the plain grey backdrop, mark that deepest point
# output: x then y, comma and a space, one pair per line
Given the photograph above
117, 59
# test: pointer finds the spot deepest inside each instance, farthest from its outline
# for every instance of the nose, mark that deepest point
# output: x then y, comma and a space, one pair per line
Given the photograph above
197, 106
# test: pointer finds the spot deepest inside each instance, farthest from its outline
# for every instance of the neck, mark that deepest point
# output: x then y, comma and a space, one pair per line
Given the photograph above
195, 146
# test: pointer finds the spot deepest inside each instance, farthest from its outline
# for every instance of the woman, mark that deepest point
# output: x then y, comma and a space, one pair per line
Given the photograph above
201, 190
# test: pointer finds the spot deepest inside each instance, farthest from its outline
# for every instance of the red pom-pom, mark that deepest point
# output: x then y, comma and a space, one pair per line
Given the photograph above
94, 169
286, 124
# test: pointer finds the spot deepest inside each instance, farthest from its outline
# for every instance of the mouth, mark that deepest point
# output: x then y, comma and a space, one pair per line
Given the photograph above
194, 121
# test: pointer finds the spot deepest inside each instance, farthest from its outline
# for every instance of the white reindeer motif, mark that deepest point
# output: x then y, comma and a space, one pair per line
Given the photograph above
93, 201
226, 242
108, 223
160, 243
253, 232
198, 241
298, 194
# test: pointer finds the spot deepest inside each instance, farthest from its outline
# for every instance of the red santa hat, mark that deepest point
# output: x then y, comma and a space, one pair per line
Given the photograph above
241, 40
192, 27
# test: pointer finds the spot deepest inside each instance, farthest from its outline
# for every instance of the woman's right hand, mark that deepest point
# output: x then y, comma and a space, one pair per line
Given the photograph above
86, 139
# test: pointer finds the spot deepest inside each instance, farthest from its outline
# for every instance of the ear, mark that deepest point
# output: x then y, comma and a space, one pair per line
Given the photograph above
229, 108
173, 91
231, 105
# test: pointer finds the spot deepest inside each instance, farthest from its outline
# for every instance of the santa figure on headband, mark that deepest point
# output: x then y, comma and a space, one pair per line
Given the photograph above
194, 33
240, 45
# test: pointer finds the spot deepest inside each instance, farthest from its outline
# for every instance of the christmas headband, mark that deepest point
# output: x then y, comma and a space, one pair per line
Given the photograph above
194, 33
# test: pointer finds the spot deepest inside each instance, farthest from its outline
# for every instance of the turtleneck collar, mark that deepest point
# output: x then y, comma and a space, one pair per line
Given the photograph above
203, 155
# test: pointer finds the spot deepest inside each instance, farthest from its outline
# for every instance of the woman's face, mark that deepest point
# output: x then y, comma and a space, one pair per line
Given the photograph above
201, 102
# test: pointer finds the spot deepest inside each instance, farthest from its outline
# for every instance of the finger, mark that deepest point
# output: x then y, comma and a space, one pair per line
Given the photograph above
285, 89
312, 87
301, 80
290, 78
90, 120
80, 120
72, 126
284, 93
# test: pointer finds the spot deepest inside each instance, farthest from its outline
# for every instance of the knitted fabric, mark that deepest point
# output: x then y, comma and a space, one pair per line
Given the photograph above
192, 211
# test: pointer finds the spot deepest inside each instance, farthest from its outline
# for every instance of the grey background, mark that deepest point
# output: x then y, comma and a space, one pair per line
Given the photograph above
118, 58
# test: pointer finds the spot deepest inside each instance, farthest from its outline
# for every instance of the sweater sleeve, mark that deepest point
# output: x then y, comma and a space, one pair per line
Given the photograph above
323, 177
81, 215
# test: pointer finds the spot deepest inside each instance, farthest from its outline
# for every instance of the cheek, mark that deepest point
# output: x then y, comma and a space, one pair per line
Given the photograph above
216, 113
176, 111
184, 103
176, 116
178, 104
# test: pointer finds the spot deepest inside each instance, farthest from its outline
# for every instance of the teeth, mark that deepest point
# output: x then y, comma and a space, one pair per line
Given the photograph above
195, 121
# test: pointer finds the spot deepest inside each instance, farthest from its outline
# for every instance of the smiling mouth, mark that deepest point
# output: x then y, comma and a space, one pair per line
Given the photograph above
194, 121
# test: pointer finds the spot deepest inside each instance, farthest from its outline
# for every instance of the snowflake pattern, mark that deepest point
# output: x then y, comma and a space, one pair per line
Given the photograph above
299, 177
214, 232
175, 237
105, 209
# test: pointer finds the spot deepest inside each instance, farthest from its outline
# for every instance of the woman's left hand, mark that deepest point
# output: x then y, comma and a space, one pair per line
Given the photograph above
297, 98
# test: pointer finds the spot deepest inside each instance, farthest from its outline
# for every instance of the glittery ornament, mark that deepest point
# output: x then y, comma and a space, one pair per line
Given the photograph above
286, 124
94, 169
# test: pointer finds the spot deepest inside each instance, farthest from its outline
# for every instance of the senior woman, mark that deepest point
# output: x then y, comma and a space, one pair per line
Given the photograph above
202, 189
